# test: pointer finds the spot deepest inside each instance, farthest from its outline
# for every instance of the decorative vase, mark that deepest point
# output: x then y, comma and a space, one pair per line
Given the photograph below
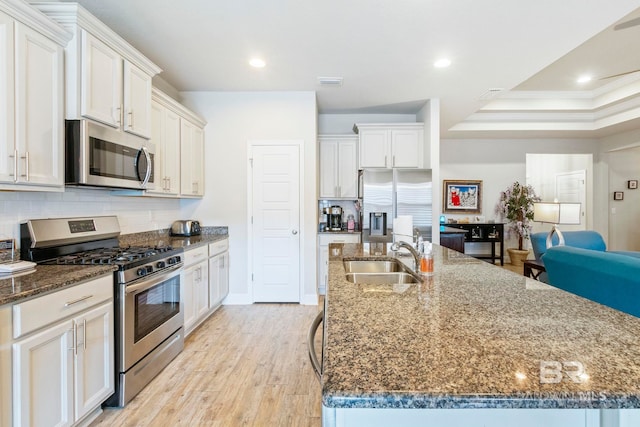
517, 256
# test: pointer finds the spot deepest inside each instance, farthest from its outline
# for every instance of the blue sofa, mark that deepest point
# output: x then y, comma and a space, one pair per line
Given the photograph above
585, 239
610, 278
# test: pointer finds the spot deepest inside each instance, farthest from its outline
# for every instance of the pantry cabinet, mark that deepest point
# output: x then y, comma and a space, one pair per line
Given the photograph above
31, 101
397, 145
63, 355
338, 167
107, 79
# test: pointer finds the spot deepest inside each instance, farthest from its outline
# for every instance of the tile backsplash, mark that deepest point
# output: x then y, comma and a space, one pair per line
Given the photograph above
135, 214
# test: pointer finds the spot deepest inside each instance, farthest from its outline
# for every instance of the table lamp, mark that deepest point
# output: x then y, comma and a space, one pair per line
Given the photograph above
556, 213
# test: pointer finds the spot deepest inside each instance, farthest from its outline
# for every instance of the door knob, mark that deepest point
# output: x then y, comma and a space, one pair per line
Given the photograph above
294, 232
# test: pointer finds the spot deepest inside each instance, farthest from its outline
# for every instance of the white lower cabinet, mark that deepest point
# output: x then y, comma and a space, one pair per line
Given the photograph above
218, 273
195, 288
63, 371
323, 254
205, 282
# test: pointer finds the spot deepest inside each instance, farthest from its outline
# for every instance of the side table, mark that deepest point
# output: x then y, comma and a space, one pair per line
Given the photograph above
533, 268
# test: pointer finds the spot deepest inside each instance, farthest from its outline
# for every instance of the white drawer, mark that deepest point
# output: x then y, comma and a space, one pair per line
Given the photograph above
218, 247
31, 315
325, 239
193, 256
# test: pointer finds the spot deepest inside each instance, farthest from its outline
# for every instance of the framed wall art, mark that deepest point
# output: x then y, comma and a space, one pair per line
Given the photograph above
632, 184
618, 195
461, 196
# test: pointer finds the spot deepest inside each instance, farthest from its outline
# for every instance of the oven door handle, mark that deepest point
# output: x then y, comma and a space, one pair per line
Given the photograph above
152, 281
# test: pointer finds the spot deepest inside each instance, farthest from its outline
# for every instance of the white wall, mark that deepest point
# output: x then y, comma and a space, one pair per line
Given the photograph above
624, 233
498, 163
233, 119
135, 214
620, 163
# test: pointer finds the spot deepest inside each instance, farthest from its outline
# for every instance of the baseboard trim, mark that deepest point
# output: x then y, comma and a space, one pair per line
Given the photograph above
238, 299
309, 299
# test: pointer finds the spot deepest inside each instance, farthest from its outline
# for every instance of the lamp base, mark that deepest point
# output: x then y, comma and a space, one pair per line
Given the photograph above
555, 230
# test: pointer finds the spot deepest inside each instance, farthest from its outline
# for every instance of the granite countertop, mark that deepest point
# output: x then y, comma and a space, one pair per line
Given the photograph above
473, 335
47, 278
163, 238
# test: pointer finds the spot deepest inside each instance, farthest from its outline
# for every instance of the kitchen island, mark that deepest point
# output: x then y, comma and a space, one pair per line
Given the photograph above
473, 345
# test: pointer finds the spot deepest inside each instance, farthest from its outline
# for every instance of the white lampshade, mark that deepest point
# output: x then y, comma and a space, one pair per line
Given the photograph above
570, 213
556, 213
546, 212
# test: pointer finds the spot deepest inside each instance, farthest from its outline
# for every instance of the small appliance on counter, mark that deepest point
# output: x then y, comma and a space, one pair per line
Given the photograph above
334, 219
185, 228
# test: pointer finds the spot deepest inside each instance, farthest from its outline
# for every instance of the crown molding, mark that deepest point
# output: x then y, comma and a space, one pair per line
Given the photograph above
73, 15
32, 17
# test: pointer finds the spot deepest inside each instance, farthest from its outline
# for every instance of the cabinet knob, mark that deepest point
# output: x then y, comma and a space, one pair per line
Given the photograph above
294, 232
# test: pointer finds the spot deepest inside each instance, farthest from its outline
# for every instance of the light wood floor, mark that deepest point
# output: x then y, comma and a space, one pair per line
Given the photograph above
245, 366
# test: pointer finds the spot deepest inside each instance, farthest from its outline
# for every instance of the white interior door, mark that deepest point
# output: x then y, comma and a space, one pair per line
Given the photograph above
275, 211
571, 187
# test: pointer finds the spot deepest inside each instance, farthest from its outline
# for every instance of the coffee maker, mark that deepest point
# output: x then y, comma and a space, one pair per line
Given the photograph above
334, 218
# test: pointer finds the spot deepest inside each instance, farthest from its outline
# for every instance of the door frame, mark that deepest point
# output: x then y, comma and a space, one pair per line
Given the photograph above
302, 201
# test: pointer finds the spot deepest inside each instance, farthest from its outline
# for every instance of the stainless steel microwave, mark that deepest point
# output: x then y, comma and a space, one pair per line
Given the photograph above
99, 156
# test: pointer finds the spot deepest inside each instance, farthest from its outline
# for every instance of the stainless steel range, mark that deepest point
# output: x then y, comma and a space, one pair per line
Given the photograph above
149, 315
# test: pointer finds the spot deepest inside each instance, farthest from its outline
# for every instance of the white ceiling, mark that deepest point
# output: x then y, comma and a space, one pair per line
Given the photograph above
384, 50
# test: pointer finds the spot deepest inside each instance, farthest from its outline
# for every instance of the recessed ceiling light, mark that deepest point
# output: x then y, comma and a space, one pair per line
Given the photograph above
584, 79
442, 63
257, 63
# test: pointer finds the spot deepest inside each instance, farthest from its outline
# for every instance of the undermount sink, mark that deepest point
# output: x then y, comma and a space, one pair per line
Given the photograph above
381, 278
378, 272
374, 266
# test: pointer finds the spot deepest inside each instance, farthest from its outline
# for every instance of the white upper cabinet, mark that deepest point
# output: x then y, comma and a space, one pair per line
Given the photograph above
137, 101
31, 100
395, 145
7, 142
165, 134
178, 134
101, 81
338, 167
107, 79
191, 159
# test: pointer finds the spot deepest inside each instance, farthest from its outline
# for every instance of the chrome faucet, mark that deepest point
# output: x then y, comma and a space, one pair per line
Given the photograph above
416, 255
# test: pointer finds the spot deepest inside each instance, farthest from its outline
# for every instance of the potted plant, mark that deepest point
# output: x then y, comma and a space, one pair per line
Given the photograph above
516, 205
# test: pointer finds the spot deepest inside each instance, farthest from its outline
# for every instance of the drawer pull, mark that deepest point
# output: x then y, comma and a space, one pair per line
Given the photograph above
75, 301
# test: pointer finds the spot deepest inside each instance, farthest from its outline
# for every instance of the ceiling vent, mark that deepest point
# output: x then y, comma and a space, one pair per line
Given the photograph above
330, 81
491, 93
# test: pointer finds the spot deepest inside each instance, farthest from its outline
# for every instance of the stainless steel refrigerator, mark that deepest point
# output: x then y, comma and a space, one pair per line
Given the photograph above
395, 192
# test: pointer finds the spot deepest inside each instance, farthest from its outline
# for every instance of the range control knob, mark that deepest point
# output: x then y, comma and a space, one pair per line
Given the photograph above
161, 264
173, 260
144, 270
